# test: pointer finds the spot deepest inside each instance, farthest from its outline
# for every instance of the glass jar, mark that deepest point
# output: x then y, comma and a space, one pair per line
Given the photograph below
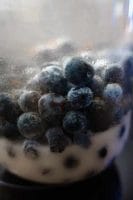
66, 71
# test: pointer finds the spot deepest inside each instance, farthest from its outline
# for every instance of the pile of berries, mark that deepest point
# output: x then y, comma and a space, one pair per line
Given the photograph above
66, 103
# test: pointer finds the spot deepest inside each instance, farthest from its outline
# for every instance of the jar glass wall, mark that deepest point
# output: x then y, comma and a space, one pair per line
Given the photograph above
66, 72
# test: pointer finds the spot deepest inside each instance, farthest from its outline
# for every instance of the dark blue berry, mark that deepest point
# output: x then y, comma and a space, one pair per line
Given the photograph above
80, 97
58, 85
57, 139
16, 112
82, 140
30, 148
128, 70
128, 67
99, 115
97, 86
71, 162
102, 153
7, 107
30, 125
28, 101
51, 80
9, 130
114, 74
78, 71
113, 93
52, 108
74, 122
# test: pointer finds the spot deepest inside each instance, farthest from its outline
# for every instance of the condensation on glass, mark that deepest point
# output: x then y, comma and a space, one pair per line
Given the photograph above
93, 24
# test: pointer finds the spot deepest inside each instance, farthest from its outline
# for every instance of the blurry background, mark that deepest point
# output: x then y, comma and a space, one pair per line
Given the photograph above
24, 24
